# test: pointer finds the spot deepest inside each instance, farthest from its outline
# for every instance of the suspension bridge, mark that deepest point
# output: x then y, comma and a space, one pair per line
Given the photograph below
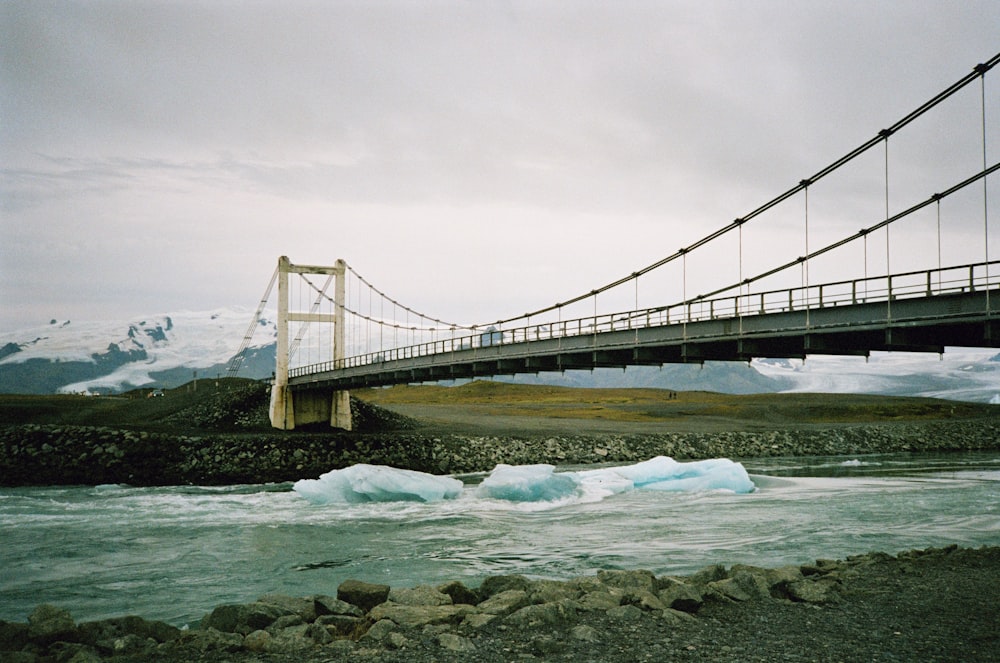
359, 336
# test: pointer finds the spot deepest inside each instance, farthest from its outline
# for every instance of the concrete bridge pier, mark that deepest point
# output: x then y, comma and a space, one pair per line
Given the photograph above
309, 406
291, 407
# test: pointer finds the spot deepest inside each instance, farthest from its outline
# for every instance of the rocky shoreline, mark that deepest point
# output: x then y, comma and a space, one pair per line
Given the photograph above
40, 454
931, 605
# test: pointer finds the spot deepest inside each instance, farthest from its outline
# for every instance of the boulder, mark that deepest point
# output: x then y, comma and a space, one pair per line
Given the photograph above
365, 595
285, 621
257, 641
380, 630
601, 600
584, 633
411, 616
84, 655
477, 620
585, 584
420, 595
743, 585
242, 618
48, 623
303, 607
105, 631
455, 643
783, 576
558, 613
709, 574
396, 640
459, 593
131, 644
548, 591
643, 599
813, 591
644, 580
505, 602
328, 605
208, 641
341, 625
820, 567
498, 584
293, 640
13, 636
679, 595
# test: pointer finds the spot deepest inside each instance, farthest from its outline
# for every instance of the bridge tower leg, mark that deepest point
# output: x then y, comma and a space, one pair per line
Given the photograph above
281, 412
340, 407
314, 405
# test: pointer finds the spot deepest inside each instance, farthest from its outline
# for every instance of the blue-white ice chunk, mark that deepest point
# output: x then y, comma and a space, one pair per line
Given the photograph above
377, 483
664, 473
604, 482
528, 483
667, 474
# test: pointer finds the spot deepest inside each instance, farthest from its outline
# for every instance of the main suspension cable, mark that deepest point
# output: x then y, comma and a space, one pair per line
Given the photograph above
979, 71
936, 198
443, 323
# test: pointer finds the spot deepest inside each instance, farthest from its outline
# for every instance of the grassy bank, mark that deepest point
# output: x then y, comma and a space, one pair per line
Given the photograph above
479, 406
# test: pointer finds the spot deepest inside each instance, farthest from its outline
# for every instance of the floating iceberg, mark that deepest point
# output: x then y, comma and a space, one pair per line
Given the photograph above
528, 483
532, 483
377, 483
663, 473
524, 483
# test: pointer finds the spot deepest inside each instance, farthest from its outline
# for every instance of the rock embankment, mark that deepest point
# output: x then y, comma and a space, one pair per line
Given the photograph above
454, 454
508, 617
37, 454
50, 455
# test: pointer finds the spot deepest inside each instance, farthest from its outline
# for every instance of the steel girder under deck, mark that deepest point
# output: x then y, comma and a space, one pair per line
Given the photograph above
923, 324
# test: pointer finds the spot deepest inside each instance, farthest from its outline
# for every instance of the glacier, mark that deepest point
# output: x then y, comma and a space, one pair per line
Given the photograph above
961, 374
536, 483
143, 348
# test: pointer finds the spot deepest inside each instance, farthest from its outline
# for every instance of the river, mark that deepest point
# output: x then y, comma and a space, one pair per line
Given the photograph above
173, 553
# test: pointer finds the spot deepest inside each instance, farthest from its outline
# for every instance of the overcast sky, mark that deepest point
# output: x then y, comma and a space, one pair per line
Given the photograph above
473, 159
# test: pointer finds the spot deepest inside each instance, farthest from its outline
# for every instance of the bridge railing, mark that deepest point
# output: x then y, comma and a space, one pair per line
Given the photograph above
875, 289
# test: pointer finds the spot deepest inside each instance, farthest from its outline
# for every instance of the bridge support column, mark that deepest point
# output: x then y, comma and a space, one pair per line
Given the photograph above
340, 406
281, 412
314, 405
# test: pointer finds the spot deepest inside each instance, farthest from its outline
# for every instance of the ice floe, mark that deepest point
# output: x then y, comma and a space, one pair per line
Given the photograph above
525, 483
377, 483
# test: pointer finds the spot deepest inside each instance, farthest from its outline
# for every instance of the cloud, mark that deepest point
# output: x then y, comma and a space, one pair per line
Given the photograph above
180, 147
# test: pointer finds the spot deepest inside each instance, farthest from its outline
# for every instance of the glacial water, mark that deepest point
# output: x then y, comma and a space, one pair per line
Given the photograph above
174, 553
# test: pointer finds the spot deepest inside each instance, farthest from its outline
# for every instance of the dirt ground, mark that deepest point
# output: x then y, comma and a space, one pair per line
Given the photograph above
490, 408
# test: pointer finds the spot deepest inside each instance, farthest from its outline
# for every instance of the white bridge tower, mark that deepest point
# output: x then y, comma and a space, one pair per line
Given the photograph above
309, 405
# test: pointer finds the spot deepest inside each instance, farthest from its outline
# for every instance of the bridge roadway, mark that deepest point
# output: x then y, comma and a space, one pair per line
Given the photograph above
843, 324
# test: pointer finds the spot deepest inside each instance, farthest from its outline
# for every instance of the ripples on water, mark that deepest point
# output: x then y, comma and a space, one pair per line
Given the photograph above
174, 553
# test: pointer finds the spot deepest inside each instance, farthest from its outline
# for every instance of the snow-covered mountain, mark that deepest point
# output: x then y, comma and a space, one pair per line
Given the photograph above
963, 374
156, 351
166, 350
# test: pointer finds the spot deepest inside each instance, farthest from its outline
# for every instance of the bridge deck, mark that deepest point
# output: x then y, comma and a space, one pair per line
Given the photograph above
915, 324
